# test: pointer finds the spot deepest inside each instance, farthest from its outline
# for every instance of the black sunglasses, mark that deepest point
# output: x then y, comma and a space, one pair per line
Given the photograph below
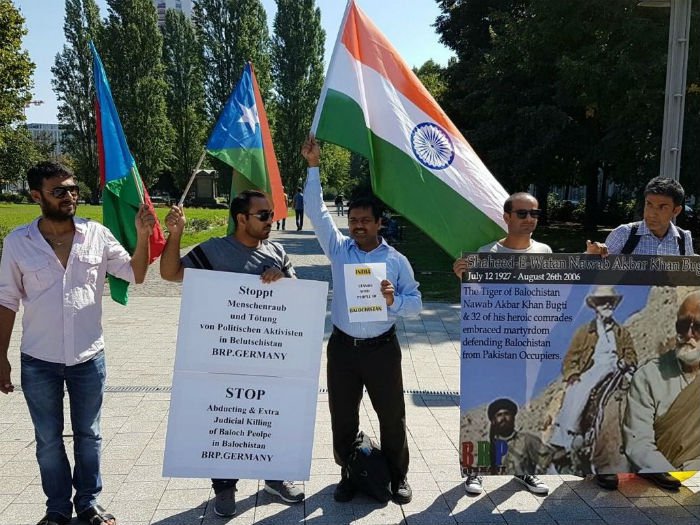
263, 215
535, 214
684, 324
60, 191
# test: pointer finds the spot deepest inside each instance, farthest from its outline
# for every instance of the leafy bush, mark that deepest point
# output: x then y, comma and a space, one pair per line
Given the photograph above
17, 198
562, 210
618, 212
204, 224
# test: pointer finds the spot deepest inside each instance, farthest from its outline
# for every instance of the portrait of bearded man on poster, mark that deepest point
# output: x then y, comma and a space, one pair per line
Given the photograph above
661, 428
600, 358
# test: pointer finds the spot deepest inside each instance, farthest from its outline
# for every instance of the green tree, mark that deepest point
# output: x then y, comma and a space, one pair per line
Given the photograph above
432, 75
185, 96
297, 65
231, 32
15, 70
551, 92
131, 48
17, 154
73, 84
335, 168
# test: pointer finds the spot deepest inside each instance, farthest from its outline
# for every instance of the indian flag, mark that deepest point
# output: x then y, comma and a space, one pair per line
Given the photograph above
420, 164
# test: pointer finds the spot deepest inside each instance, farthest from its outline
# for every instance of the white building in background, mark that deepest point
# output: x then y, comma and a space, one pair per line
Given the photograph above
47, 134
163, 5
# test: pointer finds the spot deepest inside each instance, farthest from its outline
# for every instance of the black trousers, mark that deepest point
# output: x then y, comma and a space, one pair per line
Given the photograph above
378, 368
299, 218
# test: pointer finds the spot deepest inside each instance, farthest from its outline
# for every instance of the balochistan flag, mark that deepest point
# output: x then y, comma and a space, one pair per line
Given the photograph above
241, 138
122, 188
420, 164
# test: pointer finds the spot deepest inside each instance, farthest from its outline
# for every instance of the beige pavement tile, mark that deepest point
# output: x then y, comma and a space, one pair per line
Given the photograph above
6, 499
20, 468
189, 483
145, 473
31, 494
175, 517
14, 485
184, 499
133, 510
21, 514
140, 490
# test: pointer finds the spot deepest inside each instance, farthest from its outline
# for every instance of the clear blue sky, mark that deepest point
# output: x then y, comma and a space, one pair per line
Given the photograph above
407, 24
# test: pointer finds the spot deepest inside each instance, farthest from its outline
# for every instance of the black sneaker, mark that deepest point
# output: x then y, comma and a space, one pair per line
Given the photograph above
607, 481
663, 480
402, 492
533, 484
344, 490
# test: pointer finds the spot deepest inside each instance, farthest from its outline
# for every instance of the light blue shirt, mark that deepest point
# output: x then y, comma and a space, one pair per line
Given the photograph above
648, 244
341, 250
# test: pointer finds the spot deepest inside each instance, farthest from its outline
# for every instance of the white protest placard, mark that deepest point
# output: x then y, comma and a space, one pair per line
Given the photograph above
246, 377
363, 292
235, 323
236, 426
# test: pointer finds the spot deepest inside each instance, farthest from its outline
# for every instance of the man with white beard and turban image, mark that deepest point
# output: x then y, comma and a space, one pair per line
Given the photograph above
661, 428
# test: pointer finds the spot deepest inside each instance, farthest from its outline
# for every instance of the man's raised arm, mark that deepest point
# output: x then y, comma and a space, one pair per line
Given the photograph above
327, 233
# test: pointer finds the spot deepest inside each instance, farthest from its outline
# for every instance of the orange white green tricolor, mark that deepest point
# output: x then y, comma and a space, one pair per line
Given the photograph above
373, 104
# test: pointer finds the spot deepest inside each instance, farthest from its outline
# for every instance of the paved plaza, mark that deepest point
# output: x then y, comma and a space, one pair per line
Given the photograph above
140, 350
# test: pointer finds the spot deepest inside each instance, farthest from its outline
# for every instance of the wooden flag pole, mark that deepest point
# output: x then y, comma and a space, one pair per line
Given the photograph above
194, 174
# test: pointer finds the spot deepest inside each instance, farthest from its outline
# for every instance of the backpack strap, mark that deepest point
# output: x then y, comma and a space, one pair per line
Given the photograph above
632, 240
681, 241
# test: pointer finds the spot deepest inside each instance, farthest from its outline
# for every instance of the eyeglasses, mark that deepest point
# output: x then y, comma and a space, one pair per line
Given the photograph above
535, 214
685, 324
262, 215
60, 191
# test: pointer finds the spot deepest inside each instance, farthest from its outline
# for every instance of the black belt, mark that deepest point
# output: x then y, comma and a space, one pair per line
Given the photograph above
386, 337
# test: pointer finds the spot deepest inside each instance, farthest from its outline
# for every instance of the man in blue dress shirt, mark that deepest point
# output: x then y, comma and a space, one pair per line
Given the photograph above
363, 354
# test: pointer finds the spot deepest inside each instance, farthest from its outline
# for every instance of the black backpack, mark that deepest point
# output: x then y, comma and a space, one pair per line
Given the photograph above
633, 240
368, 469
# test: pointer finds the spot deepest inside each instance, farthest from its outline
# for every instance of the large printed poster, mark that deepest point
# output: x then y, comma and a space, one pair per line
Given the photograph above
575, 364
245, 383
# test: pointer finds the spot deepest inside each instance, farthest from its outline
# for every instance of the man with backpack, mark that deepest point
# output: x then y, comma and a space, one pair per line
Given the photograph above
655, 235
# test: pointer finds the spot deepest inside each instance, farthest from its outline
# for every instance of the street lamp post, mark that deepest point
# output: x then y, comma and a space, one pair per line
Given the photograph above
676, 74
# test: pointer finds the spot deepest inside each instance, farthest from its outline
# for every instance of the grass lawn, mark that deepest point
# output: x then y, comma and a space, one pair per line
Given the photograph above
202, 223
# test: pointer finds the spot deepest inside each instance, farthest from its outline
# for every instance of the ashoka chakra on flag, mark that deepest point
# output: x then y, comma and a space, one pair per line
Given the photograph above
432, 146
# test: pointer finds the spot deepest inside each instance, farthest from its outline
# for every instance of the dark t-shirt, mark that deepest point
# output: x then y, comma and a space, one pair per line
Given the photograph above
227, 254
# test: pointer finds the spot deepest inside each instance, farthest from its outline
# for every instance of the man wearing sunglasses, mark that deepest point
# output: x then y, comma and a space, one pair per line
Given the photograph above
363, 354
656, 234
56, 266
247, 250
520, 213
660, 429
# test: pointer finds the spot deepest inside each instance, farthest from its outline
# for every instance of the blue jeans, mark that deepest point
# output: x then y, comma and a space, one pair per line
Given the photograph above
42, 384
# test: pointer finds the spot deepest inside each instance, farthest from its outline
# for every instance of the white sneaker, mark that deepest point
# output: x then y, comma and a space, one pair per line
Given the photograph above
473, 484
533, 484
